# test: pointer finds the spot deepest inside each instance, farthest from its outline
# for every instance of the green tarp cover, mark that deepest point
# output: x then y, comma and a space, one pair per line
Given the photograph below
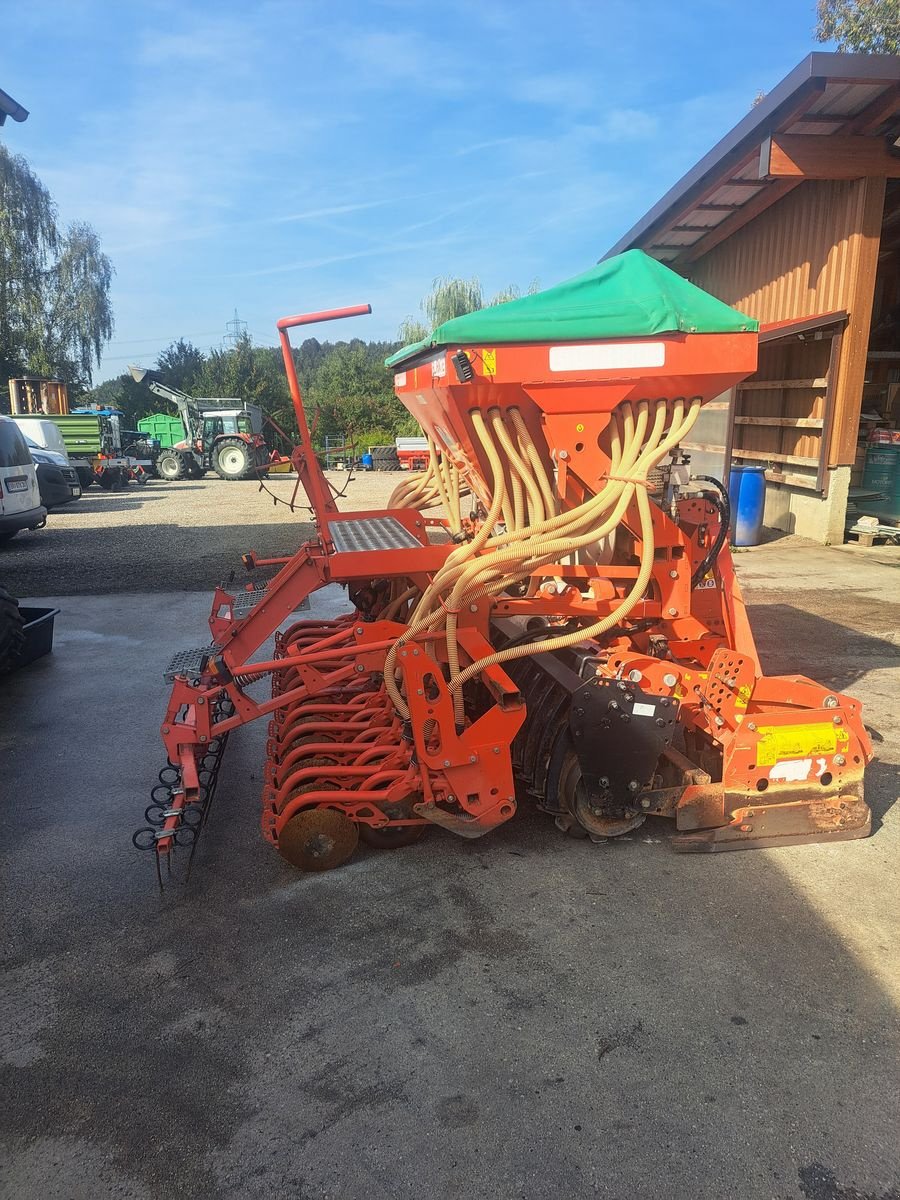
631, 295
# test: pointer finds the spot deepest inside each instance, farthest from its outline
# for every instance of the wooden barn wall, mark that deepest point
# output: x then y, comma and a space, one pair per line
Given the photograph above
815, 251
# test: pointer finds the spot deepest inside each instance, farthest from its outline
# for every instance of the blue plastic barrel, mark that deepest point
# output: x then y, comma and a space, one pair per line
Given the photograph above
368, 461
747, 492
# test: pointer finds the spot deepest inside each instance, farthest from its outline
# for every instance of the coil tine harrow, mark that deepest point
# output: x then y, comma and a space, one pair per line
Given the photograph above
173, 821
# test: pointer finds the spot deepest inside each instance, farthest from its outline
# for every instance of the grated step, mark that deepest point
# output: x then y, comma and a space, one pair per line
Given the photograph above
190, 662
245, 601
371, 533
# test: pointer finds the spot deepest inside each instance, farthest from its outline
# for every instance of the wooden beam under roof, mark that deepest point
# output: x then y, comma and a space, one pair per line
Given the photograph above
836, 156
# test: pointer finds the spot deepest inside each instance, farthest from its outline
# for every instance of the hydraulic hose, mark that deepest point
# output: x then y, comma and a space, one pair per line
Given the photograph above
722, 503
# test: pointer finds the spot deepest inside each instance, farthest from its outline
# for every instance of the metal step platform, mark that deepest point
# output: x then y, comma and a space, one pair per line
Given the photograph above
190, 662
371, 533
246, 601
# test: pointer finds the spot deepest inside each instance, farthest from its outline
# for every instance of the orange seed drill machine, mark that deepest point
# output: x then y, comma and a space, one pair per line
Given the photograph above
547, 614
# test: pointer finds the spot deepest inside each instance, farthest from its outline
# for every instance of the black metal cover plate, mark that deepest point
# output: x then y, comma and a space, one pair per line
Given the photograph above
619, 732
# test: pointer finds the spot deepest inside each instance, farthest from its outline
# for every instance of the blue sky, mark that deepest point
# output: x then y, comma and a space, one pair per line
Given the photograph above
280, 156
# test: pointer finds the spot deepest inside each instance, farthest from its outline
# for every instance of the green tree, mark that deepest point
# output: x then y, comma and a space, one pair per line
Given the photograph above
863, 26
180, 364
55, 312
353, 394
134, 399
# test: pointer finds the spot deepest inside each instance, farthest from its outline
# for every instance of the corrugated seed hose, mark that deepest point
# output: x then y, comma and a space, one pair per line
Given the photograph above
536, 534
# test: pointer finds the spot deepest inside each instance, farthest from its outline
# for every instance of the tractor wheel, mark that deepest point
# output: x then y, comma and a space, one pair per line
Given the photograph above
12, 634
318, 839
85, 477
232, 459
171, 465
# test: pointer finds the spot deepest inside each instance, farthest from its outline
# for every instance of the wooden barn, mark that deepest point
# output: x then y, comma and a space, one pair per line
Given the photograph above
794, 218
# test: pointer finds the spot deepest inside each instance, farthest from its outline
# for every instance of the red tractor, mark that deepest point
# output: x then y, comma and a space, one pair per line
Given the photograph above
227, 440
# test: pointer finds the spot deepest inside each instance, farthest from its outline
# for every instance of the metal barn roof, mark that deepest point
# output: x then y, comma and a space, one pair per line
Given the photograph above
826, 94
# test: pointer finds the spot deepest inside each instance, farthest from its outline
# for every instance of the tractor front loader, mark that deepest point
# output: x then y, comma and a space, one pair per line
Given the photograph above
567, 632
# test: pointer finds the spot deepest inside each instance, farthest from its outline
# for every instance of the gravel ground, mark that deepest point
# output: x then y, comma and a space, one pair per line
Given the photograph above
183, 536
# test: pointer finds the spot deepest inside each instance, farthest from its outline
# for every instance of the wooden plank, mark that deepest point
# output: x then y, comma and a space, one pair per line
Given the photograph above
795, 460
848, 387
775, 385
834, 357
798, 481
775, 331
784, 422
877, 113
702, 447
835, 156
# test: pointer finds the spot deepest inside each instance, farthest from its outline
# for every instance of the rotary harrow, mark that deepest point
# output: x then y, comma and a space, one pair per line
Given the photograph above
568, 630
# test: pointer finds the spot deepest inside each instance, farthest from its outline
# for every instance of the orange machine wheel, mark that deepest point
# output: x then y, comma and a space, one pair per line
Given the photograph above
318, 839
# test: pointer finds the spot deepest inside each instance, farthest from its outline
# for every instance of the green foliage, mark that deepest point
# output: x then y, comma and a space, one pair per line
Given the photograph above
133, 399
55, 313
347, 390
861, 26
411, 331
180, 364
352, 392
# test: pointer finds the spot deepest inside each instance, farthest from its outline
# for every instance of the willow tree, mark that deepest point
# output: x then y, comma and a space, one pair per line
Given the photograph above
55, 311
451, 297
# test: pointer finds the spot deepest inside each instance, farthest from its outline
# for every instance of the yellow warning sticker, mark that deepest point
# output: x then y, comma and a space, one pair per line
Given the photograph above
489, 358
777, 742
744, 693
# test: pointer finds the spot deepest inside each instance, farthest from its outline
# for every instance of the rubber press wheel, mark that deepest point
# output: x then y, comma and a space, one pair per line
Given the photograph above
318, 839
566, 786
232, 459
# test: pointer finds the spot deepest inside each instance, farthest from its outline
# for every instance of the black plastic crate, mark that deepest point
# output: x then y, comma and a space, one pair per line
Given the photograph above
38, 634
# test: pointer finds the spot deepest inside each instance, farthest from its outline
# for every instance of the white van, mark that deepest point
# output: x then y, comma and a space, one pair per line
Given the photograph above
44, 433
20, 499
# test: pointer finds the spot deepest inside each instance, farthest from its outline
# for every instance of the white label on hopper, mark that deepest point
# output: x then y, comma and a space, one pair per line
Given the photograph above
644, 710
609, 356
439, 367
400, 379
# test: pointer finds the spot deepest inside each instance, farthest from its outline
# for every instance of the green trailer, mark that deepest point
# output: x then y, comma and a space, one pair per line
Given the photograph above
167, 430
86, 446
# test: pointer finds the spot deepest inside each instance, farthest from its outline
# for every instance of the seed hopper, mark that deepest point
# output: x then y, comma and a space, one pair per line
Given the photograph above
548, 614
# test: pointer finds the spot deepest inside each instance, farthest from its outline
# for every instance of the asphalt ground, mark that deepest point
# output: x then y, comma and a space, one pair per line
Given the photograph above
523, 1016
